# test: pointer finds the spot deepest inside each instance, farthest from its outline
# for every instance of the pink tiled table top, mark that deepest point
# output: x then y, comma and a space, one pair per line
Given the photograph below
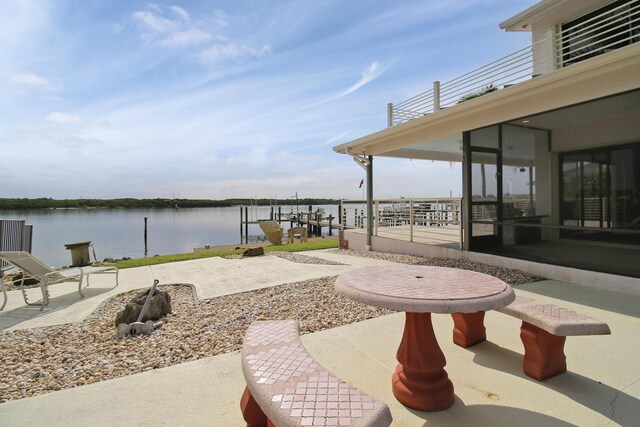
424, 289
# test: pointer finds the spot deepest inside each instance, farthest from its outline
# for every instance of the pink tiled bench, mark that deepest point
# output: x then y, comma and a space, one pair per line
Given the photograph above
287, 387
544, 330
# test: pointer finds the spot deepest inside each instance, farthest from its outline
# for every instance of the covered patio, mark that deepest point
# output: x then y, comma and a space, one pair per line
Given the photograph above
563, 252
549, 170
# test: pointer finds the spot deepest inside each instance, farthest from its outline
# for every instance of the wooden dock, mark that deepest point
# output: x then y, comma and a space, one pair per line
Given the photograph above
315, 221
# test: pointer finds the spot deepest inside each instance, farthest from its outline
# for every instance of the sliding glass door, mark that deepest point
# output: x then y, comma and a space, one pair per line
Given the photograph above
600, 191
483, 174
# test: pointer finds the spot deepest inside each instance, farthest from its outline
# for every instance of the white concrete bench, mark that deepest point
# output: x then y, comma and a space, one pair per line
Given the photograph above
287, 387
543, 333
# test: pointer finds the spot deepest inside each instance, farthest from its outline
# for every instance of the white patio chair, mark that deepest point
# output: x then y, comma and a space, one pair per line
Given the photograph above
32, 267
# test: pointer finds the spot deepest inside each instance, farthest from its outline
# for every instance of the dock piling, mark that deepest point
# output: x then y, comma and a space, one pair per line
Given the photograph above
145, 236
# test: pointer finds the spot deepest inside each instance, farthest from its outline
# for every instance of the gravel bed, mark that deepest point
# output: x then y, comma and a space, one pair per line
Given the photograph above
40, 360
304, 259
507, 275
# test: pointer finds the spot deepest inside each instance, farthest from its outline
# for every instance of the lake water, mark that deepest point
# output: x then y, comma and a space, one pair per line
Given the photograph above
116, 233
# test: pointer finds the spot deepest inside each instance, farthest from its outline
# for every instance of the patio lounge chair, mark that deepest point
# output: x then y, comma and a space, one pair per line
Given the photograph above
32, 267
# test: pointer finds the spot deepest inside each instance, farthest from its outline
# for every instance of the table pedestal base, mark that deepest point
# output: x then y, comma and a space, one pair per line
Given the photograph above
420, 381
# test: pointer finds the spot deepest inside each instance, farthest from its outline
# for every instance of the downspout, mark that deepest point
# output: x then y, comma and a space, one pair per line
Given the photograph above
369, 202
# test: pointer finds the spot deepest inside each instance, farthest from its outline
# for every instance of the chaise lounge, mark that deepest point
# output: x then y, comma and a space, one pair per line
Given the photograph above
33, 268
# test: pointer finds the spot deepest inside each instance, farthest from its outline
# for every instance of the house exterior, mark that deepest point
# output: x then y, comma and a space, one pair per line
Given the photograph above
549, 140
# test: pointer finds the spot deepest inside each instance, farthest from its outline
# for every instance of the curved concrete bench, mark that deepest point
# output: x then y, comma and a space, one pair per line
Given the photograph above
287, 387
543, 333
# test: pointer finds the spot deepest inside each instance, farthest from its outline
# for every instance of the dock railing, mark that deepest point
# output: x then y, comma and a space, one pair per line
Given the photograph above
424, 212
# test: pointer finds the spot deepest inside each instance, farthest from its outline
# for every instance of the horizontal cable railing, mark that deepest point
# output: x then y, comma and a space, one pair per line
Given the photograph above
612, 29
499, 74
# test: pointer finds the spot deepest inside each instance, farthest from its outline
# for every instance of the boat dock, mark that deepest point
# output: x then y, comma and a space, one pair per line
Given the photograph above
314, 220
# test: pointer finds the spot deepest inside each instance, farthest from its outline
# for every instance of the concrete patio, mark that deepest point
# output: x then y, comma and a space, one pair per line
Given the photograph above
601, 387
211, 277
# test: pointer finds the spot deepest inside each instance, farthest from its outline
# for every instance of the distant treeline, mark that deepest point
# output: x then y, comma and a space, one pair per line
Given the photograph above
46, 203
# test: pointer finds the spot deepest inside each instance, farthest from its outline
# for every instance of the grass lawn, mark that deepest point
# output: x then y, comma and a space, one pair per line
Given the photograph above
161, 259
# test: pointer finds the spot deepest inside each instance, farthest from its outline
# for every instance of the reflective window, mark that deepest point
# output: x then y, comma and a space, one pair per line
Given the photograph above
601, 188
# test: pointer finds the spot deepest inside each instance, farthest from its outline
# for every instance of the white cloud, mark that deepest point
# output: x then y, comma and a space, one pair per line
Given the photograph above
33, 80
180, 12
331, 141
171, 26
63, 118
371, 73
220, 18
340, 137
191, 36
219, 53
155, 23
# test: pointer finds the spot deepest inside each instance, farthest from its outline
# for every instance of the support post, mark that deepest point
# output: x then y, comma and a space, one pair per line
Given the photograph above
436, 96
411, 220
246, 224
389, 115
369, 202
377, 217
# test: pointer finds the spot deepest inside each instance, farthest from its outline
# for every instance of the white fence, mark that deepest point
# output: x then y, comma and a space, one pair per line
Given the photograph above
437, 212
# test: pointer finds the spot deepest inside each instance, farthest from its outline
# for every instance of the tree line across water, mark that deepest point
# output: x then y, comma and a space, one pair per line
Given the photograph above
47, 203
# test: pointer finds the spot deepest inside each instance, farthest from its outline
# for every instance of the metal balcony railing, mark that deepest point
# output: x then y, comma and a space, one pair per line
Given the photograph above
499, 74
611, 29
583, 38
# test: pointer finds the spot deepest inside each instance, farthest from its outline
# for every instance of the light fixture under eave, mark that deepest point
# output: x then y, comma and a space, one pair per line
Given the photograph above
526, 121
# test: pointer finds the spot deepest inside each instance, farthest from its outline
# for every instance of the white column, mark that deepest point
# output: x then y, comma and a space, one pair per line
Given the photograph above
550, 50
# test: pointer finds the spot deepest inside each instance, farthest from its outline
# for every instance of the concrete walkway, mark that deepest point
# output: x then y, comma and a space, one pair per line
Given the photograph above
211, 277
602, 386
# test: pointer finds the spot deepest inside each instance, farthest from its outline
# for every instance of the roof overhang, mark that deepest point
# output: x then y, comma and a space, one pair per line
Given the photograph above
599, 77
522, 21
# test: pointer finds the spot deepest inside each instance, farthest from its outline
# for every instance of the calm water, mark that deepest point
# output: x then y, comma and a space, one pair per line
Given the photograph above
116, 233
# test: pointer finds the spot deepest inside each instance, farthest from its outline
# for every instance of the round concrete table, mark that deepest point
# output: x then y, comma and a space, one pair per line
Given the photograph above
420, 380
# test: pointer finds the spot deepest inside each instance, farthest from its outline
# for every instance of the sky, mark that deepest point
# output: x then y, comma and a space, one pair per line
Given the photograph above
223, 99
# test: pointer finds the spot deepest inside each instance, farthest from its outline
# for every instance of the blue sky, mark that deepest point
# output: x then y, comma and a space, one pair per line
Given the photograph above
220, 99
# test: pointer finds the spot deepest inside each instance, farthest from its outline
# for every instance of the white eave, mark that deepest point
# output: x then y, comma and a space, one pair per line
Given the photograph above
522, 21
605, 75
